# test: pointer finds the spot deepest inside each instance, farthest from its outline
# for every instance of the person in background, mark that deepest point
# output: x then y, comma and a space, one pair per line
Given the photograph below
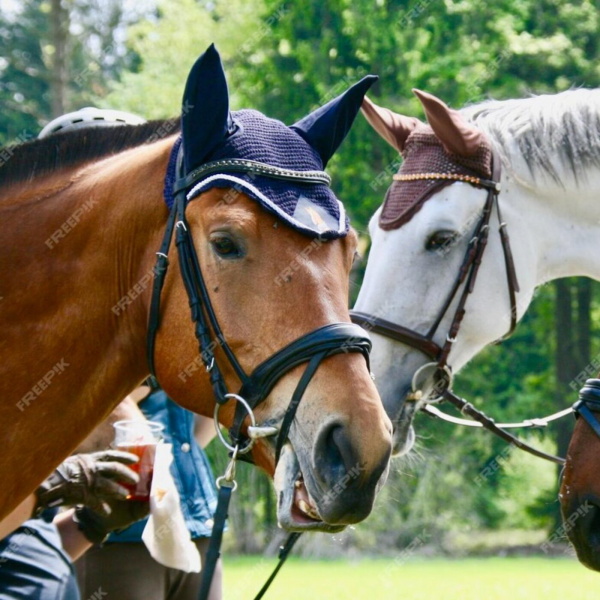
35, 559
123, 567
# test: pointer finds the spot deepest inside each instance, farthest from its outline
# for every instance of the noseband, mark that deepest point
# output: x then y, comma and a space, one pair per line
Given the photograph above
440, 370
312, 348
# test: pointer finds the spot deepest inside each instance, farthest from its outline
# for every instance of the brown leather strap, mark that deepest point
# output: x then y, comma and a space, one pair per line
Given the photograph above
396, 332
468, 409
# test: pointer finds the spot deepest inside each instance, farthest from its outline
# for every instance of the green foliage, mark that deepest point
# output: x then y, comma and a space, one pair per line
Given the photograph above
285, 58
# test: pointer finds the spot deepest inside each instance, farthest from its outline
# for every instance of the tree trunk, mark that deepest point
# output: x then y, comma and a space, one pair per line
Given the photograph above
573, 326
59, 17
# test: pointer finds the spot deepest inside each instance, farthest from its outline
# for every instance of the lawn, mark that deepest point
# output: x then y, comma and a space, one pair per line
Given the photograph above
420, 579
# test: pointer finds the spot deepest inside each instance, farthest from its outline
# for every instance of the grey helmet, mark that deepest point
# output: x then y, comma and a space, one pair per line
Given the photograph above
89, 117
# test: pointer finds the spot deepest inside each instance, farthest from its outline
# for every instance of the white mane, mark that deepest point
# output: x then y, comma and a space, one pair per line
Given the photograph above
556, 136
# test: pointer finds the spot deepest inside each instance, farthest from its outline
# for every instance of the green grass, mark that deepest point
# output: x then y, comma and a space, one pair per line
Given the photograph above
435, 579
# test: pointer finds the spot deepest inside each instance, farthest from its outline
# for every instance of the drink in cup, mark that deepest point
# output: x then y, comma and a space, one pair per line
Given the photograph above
140, 438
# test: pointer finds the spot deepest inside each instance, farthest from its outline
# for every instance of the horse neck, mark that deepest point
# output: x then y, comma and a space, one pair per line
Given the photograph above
81, 246
553, 229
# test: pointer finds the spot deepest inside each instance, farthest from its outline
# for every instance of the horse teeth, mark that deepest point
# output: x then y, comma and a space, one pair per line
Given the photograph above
308, 510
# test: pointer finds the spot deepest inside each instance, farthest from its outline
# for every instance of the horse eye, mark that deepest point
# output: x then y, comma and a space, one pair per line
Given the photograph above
225, 247
442, 240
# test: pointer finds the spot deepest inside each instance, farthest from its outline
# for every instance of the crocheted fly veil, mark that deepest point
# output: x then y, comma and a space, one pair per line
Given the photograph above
248, 152
435, 156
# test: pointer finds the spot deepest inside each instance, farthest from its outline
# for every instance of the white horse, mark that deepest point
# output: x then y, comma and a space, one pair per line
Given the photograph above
549, 150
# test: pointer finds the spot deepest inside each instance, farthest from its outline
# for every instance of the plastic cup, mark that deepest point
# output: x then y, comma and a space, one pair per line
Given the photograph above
140, 438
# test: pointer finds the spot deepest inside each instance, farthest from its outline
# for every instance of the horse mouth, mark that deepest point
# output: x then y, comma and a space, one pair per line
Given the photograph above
296, 509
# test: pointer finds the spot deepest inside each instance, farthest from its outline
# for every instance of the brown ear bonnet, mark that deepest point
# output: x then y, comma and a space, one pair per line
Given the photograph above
447, 150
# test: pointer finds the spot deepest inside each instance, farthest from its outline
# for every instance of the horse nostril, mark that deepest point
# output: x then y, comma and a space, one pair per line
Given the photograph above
333, 453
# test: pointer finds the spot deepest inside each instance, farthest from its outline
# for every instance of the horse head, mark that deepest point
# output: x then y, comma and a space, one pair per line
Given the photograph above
272, 249
427, 246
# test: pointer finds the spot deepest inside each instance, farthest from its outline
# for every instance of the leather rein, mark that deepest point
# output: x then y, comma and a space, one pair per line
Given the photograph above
439, 369
311, 348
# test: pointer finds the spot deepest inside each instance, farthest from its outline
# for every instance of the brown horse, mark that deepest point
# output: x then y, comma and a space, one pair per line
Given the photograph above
580, 485
82, 216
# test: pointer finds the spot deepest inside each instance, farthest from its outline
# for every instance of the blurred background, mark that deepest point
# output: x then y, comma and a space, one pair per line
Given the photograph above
462, 491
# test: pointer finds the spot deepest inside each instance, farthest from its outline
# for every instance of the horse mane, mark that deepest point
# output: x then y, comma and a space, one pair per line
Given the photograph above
555, 135
31, 159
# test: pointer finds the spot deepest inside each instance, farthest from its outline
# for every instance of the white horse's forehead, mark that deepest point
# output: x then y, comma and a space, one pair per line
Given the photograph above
454, 207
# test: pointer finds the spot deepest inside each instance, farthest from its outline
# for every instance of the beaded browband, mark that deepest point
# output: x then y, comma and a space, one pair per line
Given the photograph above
253, 166
487, 183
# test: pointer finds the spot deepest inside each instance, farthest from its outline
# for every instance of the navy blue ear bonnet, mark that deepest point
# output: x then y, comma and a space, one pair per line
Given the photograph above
289, 182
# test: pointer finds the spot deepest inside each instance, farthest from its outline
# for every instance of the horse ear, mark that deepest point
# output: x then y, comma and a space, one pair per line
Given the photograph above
326, 127
205, 117
392, 127
457, 135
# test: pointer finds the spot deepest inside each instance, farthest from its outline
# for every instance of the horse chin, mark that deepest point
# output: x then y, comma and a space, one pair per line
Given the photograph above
296, 509
584, 534
404, 432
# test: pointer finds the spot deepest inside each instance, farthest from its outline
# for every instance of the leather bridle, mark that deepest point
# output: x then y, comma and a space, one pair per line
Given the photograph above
464, 284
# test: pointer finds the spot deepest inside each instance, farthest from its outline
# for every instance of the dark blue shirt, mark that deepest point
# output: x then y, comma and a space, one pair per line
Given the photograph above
33, 565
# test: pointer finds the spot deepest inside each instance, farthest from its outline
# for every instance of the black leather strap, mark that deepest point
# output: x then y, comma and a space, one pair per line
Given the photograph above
214, 547
160, 271
581, 408
284, 552
290, 413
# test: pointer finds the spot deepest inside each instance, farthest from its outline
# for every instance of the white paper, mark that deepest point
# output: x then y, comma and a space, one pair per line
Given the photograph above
165, 534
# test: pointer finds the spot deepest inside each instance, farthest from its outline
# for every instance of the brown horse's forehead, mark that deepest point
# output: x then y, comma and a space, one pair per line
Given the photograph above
229, 207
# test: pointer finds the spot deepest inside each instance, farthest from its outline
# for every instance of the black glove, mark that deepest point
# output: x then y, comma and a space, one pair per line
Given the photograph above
96, 526
89, 479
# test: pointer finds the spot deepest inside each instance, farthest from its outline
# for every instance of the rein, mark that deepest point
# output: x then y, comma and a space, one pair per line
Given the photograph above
440, 371
313, 347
